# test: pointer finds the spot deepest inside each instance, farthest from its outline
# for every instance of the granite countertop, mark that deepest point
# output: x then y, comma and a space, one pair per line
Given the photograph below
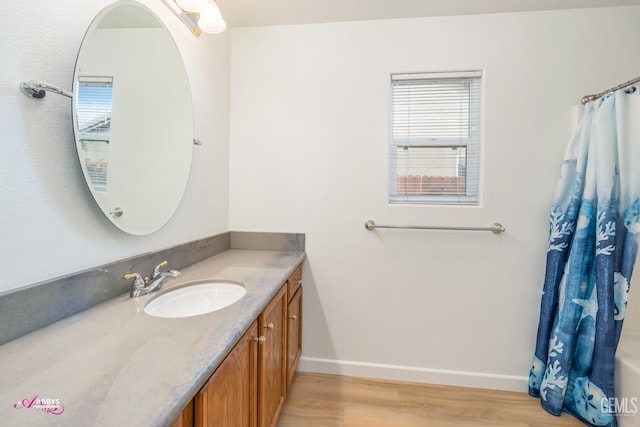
114, 365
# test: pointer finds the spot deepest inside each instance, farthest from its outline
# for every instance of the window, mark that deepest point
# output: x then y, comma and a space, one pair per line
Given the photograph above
434, 138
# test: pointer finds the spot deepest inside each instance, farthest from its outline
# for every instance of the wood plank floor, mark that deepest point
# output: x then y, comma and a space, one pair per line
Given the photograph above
319, 400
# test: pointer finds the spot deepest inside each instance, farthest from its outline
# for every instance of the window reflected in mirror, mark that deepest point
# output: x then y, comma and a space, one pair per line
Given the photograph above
94, 106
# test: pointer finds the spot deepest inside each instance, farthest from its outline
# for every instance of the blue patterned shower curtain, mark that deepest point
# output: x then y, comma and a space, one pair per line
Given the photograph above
595, 223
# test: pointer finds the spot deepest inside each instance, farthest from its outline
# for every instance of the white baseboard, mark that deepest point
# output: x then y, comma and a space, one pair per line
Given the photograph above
414, 374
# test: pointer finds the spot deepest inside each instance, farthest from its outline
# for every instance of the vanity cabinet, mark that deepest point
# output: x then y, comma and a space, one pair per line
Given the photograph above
294, 322
272, 365
249, 387
294, 282
229, 397
186, 417
294, 333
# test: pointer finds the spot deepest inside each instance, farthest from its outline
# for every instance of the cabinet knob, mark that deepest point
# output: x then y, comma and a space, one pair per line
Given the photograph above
293, 317
261, 340
300, 282
269, 326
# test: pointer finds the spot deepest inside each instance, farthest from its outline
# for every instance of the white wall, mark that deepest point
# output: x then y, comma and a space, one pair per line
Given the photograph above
309, 127
50, 224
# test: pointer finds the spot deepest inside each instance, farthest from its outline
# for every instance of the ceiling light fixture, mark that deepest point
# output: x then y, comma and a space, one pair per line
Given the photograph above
211, 19
193, 6
199, 15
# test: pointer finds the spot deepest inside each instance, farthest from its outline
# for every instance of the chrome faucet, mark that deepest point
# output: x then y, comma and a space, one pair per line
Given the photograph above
147, 285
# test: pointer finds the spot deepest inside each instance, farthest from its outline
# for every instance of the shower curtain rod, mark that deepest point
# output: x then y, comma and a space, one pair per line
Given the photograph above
588, 98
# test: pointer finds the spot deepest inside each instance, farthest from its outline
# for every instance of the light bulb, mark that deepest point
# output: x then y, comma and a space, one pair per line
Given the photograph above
211, 20
193, 6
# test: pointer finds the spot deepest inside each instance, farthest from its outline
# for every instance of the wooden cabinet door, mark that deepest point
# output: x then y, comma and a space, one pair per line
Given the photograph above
186, 417
294, 282
272, 380
294, 334
230, 396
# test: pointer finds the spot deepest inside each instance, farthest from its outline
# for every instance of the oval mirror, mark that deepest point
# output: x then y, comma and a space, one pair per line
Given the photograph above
133, 117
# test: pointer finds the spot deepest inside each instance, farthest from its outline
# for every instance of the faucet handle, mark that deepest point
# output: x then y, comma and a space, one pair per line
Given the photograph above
156, 270
138, 285
139, 281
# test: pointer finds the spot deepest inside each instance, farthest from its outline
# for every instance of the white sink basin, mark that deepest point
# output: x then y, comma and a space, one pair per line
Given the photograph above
197, 298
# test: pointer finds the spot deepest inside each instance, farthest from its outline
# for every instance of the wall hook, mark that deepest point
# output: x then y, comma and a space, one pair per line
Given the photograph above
37, 89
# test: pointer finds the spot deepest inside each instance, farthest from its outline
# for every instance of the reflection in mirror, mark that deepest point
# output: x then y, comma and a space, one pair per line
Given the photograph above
133, 117
94, 102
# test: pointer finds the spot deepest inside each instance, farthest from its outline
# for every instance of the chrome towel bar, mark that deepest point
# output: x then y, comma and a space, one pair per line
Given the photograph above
495, 228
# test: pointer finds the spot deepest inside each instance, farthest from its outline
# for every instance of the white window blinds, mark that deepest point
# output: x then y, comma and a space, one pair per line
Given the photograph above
435, 138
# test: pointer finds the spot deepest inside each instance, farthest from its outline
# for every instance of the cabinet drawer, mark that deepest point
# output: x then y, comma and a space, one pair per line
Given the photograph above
294, 282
